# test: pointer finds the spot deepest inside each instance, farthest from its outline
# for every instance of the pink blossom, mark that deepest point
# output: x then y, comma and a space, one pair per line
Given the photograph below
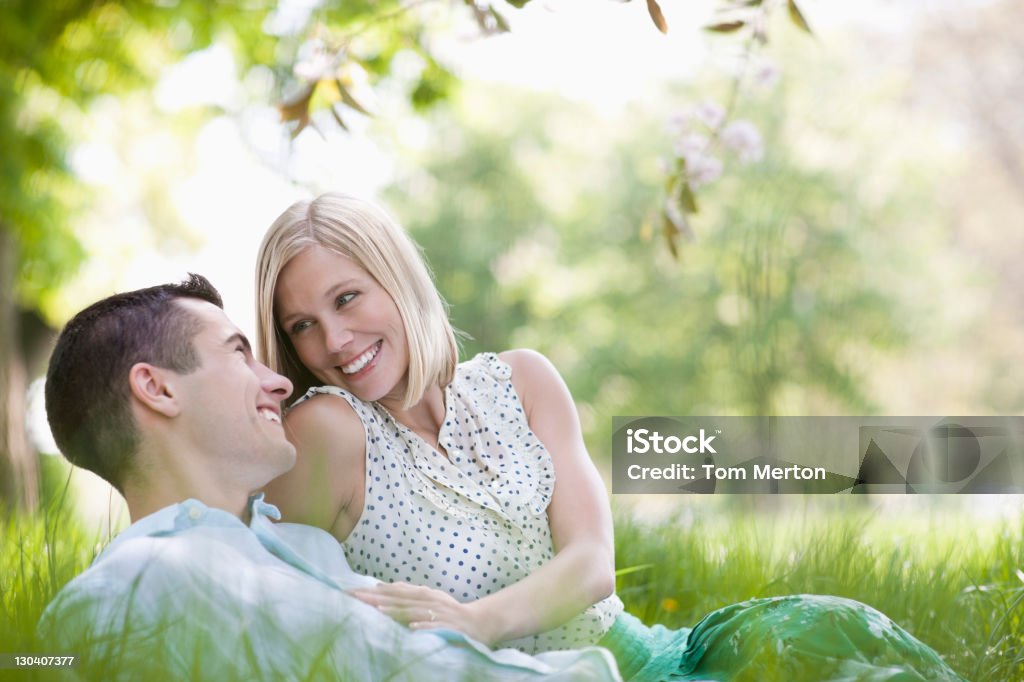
678, 123
690, 144
709, 113
766, 73
702, 169
744, 139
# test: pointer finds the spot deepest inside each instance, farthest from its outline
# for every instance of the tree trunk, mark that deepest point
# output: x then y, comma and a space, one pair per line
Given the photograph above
19, 464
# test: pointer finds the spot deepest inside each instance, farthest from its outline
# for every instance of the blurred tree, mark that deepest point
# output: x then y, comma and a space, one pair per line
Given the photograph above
56, 59
780, 308
973, 73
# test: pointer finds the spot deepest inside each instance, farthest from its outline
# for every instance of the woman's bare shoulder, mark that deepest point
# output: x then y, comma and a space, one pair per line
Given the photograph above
329, 470
532, 373
321, 417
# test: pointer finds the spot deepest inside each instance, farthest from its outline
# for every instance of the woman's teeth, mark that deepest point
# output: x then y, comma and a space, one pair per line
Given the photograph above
271, 416
362, 360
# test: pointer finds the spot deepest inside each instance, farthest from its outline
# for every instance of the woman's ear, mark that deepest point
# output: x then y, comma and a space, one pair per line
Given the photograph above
150, 386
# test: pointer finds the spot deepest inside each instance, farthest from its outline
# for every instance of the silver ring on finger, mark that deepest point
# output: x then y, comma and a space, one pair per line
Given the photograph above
433, 616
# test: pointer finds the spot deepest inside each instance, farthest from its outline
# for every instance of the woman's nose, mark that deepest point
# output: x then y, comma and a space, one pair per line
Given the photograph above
337, 337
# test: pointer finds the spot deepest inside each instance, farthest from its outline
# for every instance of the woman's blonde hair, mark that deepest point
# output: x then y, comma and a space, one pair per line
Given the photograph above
365, 233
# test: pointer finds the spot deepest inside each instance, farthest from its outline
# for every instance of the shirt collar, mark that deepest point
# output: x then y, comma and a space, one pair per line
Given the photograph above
190, 513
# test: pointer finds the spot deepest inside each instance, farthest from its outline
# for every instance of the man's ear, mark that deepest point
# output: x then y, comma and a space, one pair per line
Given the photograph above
150, 386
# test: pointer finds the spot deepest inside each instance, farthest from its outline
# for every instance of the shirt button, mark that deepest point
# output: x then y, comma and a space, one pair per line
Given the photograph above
194, 513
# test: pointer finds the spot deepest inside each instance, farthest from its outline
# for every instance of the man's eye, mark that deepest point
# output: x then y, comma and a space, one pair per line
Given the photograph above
343, 299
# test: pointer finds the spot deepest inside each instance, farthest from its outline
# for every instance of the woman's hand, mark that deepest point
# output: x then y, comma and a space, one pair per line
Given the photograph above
424, 608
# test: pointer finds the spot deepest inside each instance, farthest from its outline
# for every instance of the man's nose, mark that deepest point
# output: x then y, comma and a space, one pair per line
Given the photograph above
275, 383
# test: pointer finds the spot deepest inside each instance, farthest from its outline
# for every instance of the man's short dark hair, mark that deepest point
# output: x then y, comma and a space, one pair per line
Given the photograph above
87, 391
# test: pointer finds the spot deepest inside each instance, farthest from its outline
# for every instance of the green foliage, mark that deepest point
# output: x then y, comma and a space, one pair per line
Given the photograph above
56, 59
435, 84
779, 307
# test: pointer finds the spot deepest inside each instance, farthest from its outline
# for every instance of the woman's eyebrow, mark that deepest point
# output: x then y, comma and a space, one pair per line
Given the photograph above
330, 293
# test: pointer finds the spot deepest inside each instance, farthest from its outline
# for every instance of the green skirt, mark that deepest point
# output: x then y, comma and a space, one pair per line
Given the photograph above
792, 638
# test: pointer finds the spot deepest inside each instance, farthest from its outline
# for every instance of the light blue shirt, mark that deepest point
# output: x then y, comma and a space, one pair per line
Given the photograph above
192, 592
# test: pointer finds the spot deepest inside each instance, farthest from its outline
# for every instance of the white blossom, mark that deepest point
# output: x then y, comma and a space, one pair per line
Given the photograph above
314, 61
744, 139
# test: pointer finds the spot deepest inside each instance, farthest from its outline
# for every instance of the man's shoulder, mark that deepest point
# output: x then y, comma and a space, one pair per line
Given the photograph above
144, 567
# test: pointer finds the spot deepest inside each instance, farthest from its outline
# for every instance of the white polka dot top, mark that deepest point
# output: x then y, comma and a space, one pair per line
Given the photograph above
474, 522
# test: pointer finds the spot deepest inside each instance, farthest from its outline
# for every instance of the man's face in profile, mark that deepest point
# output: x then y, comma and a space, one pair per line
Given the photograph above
231, 404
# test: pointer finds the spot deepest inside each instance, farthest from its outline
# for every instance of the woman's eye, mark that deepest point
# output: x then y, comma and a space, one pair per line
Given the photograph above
300, 326
343, 299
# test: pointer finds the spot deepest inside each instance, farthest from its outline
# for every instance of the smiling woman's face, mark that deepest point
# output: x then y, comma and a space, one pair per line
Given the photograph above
345, 327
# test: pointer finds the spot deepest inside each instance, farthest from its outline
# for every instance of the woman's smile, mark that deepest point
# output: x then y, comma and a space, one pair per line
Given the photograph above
362, 364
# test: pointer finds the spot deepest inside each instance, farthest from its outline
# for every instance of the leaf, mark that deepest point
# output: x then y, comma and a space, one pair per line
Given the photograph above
435, 84
501, 21
480, 15
668, 229
674, 224
295, 109
686, 198
726, 26
347, 98
656, 16
489, 20
337, 117
517, 3
798, 17
297, 106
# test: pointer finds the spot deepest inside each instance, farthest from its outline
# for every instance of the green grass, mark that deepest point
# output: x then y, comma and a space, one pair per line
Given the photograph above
956, 584
39, 553
953, 582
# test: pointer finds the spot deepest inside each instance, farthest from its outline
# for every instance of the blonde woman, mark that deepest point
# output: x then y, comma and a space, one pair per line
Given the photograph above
467, 488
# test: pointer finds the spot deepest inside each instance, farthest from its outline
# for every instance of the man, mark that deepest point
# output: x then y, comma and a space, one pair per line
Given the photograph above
159, 393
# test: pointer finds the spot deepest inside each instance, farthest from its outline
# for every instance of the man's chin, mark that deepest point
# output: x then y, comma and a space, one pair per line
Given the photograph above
279, 461
286, 457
